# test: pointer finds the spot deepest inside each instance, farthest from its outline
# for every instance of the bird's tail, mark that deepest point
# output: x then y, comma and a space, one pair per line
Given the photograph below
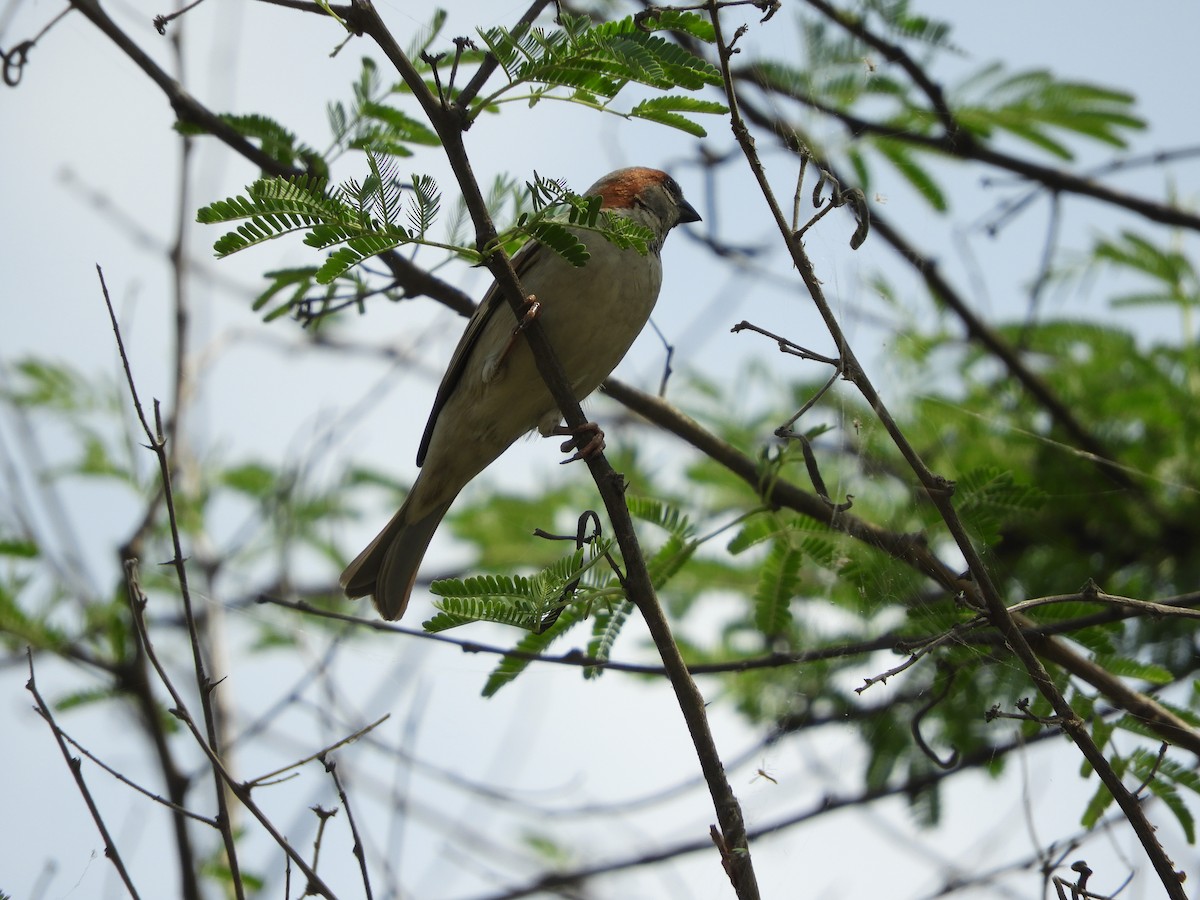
387, 569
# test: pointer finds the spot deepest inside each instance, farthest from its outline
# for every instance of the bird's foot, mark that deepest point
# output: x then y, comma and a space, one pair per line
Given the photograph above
587, 441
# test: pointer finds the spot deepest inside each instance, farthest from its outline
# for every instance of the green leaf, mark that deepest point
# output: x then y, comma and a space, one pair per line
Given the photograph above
1174, 802
1030, 104
777, 585
598, 61
358, 250
510, 667
85, 697
905, 163
1132, 668
21, 548
299, 280
50, 385
684, 22
273, 207
19, 629
252, 479
400, 128
988, 497
1161, 777
562, 241
666, 516
664, 111
273, 139
607, 623
428, 201
1165, 266
1101, 800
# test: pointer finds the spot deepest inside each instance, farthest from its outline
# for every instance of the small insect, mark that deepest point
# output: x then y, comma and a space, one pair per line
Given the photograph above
869, 63
762, 772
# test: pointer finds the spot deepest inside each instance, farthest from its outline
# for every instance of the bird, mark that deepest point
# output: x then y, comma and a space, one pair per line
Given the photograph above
492, 392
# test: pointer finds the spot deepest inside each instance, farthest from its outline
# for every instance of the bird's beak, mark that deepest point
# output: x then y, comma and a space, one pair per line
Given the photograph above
687, 213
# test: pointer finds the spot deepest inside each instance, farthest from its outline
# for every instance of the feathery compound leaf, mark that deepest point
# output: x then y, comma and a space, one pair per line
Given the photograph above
425, 35
275, 206
298, 279
597, 62
1031, 104
464, 611
900, 22
755, 531
486, 598
400, 127
1132, 668
777, 585
607, 624
428, 200
626, 233
276, 141
1169, 268
990, 497
669, 559
667, 517
679, 67
1161, 776
559, 239
358, 250
534, 643
381, 193
519, 601
665, 111
900, 156
690, 23
547, 192
362, 216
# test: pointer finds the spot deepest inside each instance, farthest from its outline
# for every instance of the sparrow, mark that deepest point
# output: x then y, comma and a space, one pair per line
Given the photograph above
492, 392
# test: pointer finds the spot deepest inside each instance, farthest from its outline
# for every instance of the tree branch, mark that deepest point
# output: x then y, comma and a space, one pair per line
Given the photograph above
939, 492
638, 585
110, 847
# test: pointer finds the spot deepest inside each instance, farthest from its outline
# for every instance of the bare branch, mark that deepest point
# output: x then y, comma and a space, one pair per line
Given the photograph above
110, 847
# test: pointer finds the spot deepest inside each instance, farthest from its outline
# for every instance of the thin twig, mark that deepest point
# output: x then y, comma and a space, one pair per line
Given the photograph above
137, 602
638, 584
204, 685
320, 754
415, 280
940, 491
157, 798
73, 763
358, 850
489, 64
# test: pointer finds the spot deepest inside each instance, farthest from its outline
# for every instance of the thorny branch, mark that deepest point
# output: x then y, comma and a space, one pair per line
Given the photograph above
638, 584
939, 492
1146, 608
207, 740
74, 764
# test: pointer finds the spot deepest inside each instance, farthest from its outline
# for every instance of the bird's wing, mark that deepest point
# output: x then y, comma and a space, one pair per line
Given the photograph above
492, 301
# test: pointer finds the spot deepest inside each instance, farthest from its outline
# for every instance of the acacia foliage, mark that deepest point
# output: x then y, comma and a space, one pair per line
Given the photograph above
1072, 452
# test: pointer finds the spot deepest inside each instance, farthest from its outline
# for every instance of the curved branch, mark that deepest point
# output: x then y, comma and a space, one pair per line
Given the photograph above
415, 281
638, 584
912, 550
939, 491
965, 147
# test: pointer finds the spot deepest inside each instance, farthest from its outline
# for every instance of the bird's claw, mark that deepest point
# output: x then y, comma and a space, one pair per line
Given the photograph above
588, 450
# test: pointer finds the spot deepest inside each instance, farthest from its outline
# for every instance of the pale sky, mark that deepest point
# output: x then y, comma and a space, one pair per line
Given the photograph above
90, 178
